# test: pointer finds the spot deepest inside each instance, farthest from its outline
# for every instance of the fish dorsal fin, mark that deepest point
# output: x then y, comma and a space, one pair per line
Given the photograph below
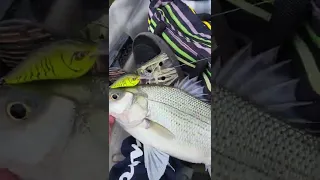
192, 87
260, 79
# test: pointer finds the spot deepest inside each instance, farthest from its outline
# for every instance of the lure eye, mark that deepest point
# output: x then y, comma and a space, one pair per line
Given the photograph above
79, 55
17, 111
114, 96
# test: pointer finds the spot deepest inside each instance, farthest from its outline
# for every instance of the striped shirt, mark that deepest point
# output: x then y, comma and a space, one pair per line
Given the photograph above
185, 33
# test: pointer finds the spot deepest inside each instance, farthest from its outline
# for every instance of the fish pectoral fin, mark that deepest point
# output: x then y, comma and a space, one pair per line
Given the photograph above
160, 130
155, 162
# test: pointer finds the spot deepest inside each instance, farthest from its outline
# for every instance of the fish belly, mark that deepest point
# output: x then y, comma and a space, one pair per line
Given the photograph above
171, 147
250, 144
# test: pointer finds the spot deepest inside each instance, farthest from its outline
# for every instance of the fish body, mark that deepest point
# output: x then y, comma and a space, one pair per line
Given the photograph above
254, 144
256, 132
165, 118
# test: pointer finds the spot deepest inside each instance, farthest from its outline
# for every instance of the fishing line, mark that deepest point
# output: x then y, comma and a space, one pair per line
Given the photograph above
204, 59
237, 9
99, 24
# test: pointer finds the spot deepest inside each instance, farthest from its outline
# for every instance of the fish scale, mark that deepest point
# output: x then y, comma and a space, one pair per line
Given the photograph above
253, 144
188, 118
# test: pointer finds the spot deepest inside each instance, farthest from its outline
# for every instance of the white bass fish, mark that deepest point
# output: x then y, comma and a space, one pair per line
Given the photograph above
169, 121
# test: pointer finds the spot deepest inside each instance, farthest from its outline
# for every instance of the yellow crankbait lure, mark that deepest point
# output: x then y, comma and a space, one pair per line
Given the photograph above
66, 59
128, 80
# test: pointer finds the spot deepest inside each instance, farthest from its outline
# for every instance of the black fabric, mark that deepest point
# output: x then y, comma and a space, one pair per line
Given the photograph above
315, 19
160, 28
4, 69
287, 16
204, 16
133, 166
144, 49
9, 14
304, 90
222, 34
241, 21
201, 66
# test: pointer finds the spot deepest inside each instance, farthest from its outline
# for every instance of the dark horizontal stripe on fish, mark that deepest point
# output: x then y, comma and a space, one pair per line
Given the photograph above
192, 121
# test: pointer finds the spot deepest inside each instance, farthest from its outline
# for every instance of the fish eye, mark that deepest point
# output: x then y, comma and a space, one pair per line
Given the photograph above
17, 111
114, 96
79, 55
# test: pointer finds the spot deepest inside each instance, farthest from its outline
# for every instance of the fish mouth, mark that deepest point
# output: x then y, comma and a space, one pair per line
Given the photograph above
68, 65
111, 119
111, 123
